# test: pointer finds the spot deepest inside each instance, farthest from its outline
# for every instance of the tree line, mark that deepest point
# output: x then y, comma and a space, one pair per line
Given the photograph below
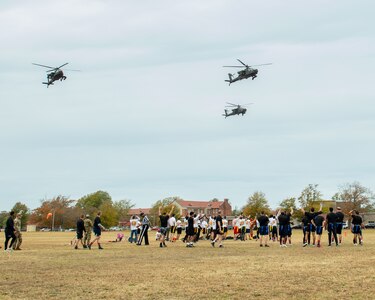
65, 211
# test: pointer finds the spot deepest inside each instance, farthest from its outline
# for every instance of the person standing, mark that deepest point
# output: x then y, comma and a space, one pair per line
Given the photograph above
178, 229
331, 220
283, 227
289, 226
356, 227
17, 228
144, 230
172, 226
80, 230
88, 229
219, 230
225, 227
98, 227
339, 223
263, 229
318, 222
190, 230
163, 226
133, 229
9, 232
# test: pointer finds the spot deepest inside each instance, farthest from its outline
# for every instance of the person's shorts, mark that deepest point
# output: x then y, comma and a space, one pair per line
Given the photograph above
263, 230
356, 229
311, 228
190, 231
225, 229
283, 230
179, 230
338, 228
217, 231
319, 230
79, 235
97, 232
163, 230
172, 229
10, 234
235, 230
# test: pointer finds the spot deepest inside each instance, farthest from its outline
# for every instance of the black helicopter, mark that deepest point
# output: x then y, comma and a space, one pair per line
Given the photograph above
237, 109
245, 73
54, 74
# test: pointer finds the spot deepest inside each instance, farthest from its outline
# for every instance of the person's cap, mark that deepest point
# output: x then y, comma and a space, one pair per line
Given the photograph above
338, 208
87, 216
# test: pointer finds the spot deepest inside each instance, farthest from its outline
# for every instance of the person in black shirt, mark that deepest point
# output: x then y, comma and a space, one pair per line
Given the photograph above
318, 222
356, 227
10, 232
163, 225
331, 220
263, 229
80, 230
283, 227
190, 230
98, 227
219, 230
339, 223
311, 228
289, 227
305, 222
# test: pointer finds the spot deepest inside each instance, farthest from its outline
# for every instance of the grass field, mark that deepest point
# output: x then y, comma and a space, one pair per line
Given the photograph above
48, 268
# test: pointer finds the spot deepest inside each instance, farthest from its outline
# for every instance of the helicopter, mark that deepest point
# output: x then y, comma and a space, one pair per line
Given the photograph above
54, 73
237, 109
245, 73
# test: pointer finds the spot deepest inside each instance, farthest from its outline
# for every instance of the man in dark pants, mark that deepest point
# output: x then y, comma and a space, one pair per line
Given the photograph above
339, 223
163, 225
318, 222
144, 231
331, 219
10, 232
190, 230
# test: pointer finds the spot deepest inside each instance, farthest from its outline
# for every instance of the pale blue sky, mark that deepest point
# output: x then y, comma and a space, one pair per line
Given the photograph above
143, 120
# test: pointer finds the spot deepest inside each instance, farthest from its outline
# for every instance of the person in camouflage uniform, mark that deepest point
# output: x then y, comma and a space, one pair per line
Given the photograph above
17, 228
88, 230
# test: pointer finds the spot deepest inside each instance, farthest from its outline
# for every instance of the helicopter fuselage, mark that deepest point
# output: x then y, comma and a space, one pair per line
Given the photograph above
55, 75
243, 74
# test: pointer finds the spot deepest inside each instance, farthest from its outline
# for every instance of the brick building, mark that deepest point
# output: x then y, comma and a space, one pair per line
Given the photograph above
204, 207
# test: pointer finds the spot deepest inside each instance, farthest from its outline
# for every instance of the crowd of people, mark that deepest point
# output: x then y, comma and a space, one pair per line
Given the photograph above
214, 228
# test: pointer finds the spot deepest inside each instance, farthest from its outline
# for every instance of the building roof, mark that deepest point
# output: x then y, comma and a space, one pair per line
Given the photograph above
200, 204
137, 211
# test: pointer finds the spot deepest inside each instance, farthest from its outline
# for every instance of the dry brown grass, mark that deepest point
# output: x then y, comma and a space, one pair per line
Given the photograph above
48, 268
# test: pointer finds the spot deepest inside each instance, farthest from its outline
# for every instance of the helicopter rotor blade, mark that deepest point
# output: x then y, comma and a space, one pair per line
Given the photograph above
232, 104
232, 66
43, 66
261, 65
62, 66
242, 63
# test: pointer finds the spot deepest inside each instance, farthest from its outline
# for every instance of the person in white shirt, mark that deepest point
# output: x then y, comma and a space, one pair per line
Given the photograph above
172, 227
273, 228
235, 228
204, 225
248, 226
225, 227
178, 229
134, 221
242, 227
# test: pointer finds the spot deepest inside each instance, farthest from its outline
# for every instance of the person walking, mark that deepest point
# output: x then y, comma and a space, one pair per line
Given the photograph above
17, 228
133, 229
88, 230
80, 230
331, 220
9, 232
98, 227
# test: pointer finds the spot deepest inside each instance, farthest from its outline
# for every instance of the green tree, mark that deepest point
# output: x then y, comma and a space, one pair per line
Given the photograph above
355, 196
256, 203
122, 207
3, 218
109, 215
310, 196
25, 212
93, 201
